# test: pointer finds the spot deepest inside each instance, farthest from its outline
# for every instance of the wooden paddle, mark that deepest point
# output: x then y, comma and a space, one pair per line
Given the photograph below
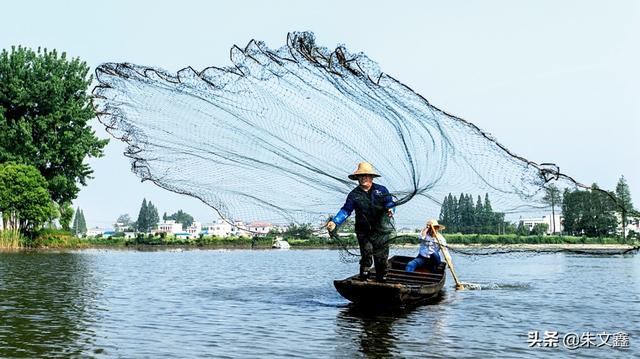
447, 258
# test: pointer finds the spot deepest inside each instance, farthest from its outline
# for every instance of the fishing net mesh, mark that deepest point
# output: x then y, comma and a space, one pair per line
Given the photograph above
274, 136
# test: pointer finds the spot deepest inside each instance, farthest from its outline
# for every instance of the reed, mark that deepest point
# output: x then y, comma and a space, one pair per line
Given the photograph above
10, 239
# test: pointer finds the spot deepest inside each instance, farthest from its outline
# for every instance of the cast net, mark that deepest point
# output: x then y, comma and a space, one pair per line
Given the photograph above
274, 136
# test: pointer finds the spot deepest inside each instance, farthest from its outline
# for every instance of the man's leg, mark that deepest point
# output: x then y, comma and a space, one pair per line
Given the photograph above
381, 255
366, 250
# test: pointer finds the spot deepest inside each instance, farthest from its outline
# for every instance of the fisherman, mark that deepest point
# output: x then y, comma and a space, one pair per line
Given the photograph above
373, 205
429, 255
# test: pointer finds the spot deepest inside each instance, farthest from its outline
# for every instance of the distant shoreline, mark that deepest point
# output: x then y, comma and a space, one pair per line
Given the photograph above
188, 247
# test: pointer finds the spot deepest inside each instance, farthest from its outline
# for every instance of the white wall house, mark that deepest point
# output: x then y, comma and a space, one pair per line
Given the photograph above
218, 228
530, 222
259, 228
92, 232
633, 224
169, 226
239, 229
121, 227
194, 229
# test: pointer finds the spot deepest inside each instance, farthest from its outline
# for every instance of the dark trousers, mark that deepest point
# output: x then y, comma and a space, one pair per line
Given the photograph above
376, 246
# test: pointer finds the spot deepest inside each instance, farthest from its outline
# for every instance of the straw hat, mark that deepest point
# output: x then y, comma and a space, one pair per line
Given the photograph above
434, 223
364, 168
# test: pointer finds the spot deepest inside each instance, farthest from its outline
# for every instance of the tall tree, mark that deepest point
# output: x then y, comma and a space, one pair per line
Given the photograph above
552, 198
74, 227
624, 205
589, 212
152, 216
487, 215
44, 110
82, 223
143, 217
24, 200
66, 214
479, 211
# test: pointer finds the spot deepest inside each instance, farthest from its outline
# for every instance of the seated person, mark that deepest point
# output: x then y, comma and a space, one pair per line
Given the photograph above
429, 255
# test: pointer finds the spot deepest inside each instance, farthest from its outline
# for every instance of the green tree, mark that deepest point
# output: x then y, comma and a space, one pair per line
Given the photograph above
624, 204
479, 215
539, 229
304, 231
44, 109
24, 200
152, 216
552, 198
74, 227
125, 219
522, 230
180, 217
66, 214
143, 217
82, 223
487, 215
589, 212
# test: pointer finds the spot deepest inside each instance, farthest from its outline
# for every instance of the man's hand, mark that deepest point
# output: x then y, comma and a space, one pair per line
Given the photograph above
389, 212
331, 226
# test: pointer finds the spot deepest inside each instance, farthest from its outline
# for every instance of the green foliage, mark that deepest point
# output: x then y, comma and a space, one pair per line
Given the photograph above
44, 109
180, 217
461, 215
125, 219
66, 214
79, 227
492, 239
147, 217
24, 200
304, 231
10, 239
552, 198
589, 213
539, 229
624, 204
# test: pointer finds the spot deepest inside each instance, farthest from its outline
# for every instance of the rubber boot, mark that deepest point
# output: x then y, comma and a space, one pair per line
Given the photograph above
364, 273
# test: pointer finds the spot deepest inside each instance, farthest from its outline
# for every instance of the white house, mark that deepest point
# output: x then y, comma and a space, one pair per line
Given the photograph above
218, 228
259, 228
194, 229
121, 227
239, 229
633, 224
92, 232
169, 226
530, 222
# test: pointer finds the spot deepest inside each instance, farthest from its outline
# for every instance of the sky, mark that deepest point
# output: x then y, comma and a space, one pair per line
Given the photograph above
553, 81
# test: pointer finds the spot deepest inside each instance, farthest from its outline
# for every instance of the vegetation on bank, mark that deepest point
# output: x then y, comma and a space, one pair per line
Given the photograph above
58, 239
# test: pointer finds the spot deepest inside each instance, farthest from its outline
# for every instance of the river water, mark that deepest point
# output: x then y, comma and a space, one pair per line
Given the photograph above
269, 303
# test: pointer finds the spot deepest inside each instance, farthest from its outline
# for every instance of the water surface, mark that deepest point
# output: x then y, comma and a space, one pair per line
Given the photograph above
256, 304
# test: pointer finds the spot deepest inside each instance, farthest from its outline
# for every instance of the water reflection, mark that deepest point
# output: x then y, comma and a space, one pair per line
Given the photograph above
374, 332
44, 304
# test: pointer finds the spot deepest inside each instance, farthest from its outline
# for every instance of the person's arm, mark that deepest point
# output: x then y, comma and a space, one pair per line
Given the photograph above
345, 211
387, 200
342, 214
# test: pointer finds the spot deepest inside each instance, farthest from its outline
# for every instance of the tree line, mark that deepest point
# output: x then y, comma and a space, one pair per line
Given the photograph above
44, 137
598, 213
460, 215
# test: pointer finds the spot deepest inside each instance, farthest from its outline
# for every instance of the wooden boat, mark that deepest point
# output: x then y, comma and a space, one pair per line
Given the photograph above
399, 288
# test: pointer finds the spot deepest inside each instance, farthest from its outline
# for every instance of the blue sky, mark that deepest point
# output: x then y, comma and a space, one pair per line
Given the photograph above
552, 81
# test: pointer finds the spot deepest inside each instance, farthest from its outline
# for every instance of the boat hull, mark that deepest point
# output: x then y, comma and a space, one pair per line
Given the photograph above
399, 288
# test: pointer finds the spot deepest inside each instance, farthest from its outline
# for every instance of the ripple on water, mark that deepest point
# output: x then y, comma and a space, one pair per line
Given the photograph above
245, 304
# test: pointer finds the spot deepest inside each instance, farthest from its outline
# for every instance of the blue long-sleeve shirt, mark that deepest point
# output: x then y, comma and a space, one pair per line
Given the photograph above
369, 206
